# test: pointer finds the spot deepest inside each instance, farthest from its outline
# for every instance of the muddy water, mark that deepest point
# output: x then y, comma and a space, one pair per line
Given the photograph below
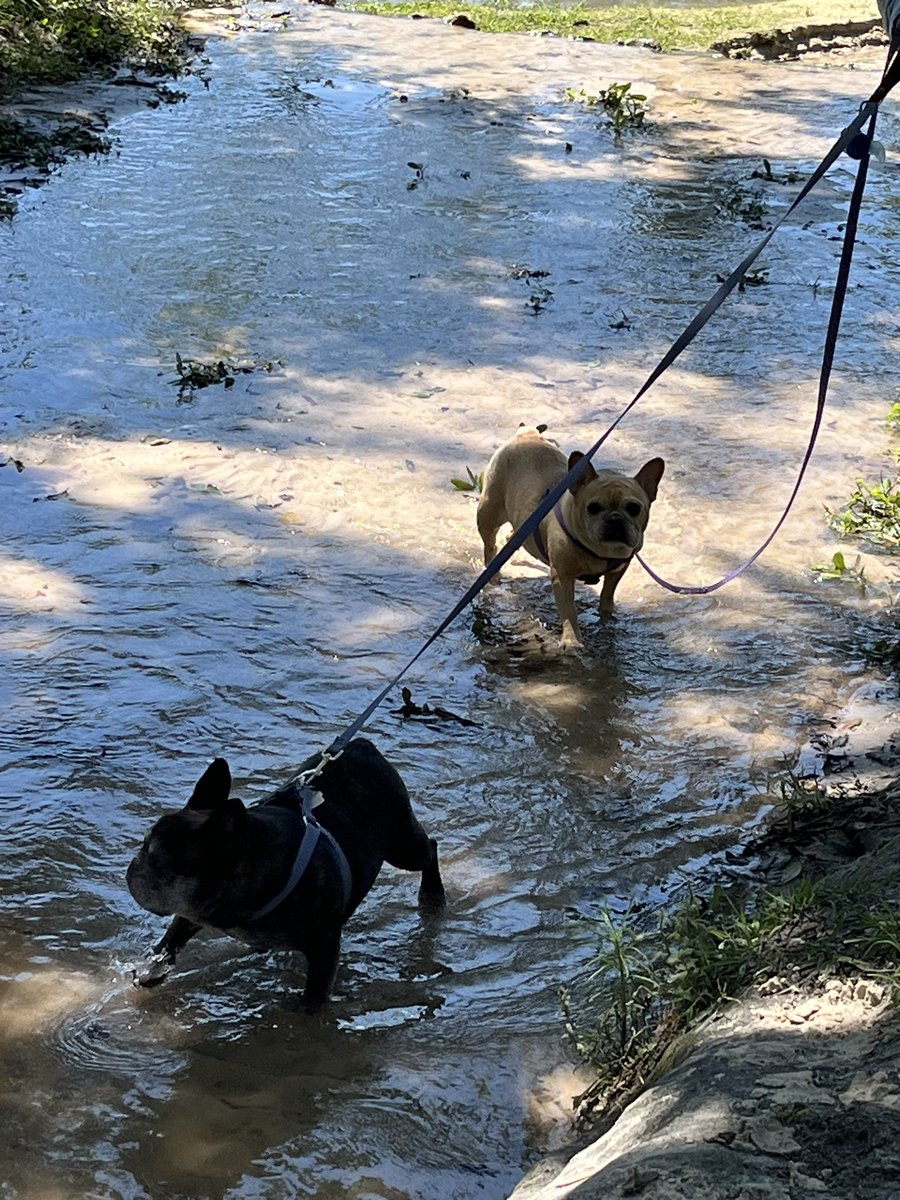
239, 570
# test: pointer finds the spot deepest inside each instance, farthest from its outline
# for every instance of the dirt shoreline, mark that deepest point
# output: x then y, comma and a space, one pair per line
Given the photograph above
793, 1090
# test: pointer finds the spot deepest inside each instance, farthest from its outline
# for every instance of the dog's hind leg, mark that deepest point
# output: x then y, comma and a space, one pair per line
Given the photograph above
489, 517
413, 850
432, 896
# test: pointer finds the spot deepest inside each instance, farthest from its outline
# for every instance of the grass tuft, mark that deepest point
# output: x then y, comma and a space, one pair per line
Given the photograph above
871, 514
646, 987
55, 41
669, 29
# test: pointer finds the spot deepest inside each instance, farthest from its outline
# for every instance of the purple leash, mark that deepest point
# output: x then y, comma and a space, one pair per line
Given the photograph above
858, 147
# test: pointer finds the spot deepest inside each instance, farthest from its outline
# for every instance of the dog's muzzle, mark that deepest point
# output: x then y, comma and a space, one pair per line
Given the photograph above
616, 529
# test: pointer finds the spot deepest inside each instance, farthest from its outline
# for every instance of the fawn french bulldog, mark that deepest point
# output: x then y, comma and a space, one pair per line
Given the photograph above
592, 533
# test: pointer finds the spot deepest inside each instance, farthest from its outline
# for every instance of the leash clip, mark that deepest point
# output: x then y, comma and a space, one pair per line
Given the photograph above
305, 778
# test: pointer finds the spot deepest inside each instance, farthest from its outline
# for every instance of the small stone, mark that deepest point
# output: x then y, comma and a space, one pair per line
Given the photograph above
744, 1108
808, 1183
771, 1137
638, 1180
807, 1010
867, 992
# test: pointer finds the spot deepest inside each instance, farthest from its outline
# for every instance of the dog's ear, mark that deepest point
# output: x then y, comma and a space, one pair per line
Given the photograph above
213, 786
649, 475
586, 475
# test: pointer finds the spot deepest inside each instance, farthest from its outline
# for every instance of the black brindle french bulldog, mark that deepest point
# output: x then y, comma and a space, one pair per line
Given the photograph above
219, 865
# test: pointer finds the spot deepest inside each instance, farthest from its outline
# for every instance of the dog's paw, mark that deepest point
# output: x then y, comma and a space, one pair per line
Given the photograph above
155, 972
569, 645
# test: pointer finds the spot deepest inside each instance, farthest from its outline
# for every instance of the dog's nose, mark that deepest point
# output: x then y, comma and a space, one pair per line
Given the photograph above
615, 529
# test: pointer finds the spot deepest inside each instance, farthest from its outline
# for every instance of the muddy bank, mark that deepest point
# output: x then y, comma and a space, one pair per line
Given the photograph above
69, 73
786, 45
794, 1091
785, 1096
43, 128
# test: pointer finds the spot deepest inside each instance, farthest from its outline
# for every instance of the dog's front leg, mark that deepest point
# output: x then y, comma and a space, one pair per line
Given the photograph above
610, 583
176, 937
322, 964
564, 593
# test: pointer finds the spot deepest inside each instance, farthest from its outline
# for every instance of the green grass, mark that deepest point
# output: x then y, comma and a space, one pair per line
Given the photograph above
473, 482
682, 28
55, 41
624, 108
872, 514
646, 987
58, 41
841, 570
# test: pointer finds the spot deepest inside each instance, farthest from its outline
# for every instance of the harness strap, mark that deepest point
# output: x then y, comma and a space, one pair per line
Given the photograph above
561, 521
343, 868
308, 843
538, 539
311, 833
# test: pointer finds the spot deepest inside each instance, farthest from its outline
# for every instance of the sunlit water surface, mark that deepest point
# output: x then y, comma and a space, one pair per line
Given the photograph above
360, 203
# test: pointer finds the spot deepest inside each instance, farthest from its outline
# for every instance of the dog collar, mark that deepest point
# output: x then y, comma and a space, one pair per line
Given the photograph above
312, 831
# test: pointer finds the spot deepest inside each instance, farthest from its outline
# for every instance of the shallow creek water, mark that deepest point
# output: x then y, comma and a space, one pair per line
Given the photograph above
237, 572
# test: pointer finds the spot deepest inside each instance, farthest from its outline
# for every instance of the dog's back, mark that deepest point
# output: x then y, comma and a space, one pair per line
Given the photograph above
517, 477
367, 808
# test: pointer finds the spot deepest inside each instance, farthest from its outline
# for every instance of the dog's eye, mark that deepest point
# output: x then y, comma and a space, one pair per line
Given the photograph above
633, 508
595, 508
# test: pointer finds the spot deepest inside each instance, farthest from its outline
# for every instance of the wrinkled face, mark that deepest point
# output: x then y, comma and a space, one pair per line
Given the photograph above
612, 512
167, 873
188, 856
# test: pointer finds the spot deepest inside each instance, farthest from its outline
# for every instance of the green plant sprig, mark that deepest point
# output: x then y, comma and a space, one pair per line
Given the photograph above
872, 513
474, 483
